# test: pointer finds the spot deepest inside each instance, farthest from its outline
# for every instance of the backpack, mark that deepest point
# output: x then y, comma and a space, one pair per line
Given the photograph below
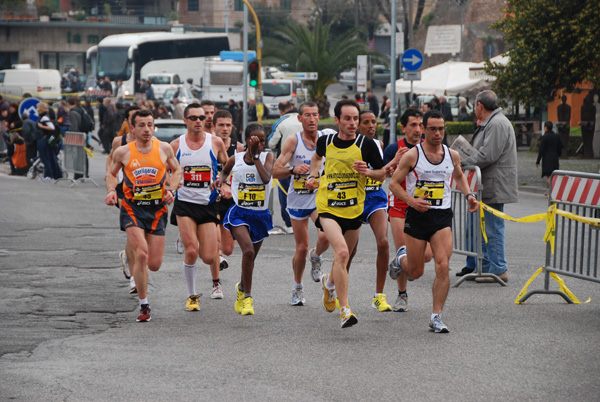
54, 136
87, 124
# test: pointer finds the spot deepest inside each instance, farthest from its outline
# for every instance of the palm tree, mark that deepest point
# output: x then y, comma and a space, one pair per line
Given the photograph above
315, 51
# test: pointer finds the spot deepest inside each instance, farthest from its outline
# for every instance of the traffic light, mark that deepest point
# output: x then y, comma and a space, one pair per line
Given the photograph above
253, 72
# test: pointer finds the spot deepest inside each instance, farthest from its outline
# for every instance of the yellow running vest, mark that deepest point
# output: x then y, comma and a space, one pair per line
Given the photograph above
342, 189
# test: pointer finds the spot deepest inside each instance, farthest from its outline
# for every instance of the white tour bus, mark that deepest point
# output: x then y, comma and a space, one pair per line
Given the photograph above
131, 57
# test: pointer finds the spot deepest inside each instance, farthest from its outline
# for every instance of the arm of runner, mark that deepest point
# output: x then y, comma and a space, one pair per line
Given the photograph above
240, 147
280, 171
398, 177
224, 174
120, 157
115, 144
461, 182
220, 148
172, 164
363, 168
315, 163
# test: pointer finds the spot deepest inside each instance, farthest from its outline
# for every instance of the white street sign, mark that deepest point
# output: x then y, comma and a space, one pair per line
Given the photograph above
411, 76
362, 67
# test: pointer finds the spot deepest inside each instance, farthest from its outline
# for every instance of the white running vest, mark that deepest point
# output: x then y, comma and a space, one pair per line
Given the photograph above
198, 170
431, 179
298, 196
247, 189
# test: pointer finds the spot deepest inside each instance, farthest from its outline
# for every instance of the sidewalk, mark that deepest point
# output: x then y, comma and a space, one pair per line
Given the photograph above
530, 179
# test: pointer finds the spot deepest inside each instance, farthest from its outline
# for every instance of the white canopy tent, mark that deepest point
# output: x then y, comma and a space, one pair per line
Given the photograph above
449, 78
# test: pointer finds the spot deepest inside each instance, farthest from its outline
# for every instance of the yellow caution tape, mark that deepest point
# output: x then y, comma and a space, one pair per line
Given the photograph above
561, 285
525, 219
278, 184
89, 152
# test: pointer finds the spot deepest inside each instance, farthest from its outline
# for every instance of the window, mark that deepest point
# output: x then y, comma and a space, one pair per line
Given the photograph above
490, 51
286, 5
193, 5
238, 6
7, 59
2, 78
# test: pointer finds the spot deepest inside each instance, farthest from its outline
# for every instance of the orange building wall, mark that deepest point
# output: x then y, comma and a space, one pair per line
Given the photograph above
574, 100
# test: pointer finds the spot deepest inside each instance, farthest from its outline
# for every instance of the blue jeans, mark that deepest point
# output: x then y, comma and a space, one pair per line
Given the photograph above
48, 157
285, 183
494, 260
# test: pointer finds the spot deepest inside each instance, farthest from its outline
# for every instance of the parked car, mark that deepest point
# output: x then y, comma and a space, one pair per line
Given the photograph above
168, 130
183, 94
380, 76
348, 78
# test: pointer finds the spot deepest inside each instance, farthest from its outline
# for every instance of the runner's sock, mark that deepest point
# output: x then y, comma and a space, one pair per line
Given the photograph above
144, 301
189, 271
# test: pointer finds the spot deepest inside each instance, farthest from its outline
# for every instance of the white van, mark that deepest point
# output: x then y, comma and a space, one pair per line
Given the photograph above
161, 82
42, 84
275, 91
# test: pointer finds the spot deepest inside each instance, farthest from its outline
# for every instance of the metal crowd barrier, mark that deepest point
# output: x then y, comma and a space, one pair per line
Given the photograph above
576, 239
466, 230
76, 157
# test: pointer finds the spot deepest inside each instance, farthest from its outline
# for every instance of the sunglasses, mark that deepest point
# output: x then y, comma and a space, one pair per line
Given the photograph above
194, 118
434, 129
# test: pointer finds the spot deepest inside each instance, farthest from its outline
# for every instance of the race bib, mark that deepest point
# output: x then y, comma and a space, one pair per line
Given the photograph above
433, 189
342, 194
372, 185
148, 195
196, 176
300, 184
251, 195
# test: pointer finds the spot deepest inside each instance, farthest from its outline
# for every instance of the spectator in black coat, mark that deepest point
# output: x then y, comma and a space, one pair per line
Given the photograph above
550, 150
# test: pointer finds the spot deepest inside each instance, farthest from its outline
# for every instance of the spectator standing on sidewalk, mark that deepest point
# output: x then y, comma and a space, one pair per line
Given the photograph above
550, 150
497, 159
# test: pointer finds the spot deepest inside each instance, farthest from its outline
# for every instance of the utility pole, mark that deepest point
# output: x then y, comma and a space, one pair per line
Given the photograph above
393, 58
245, 81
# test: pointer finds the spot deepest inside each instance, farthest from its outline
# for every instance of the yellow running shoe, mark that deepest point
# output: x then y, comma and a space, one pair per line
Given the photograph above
347, 317
380, 303
192, 303
248, 308
239, 302
328, 295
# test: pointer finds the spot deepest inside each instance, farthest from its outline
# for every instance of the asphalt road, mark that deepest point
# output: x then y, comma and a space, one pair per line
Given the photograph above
68, 330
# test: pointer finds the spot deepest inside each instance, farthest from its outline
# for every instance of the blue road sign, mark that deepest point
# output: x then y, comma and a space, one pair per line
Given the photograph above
29, 106
412, 59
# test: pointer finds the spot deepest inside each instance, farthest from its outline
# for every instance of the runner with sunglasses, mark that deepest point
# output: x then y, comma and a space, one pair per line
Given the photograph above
196, 211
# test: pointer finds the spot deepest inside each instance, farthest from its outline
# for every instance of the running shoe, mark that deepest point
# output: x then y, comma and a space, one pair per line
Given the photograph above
395, 267
401, 303
437, 325
347, 317
298, 297
179, 244
223, 264
380, 303
288, 230
239, 302
144, 313
328, 295
315, 265
125, 265
192, 303
132, 287
248, 309
217, 291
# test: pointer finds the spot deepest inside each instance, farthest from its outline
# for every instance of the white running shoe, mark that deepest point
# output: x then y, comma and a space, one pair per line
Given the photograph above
217, 292
132, 288
179, 245
223, 264
123, 257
